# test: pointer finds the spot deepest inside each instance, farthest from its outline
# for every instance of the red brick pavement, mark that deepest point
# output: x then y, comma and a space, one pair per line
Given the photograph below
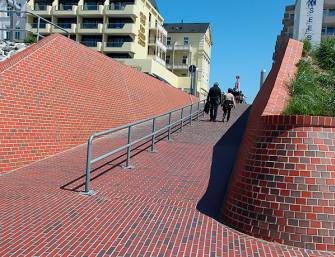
149, 211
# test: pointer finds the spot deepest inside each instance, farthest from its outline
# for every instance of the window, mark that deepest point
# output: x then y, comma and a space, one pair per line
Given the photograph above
168, 41
186, 41
331, 12
9, 13
292, 16
7, 35
149, 18
184, 61
168, 59
331, 31
17, 34
323, 31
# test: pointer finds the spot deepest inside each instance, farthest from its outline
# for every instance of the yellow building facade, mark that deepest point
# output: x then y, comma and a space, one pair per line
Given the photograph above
190, 44
130, 31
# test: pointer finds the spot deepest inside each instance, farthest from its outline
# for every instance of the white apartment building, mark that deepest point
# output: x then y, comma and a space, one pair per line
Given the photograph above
328, 23
14, 20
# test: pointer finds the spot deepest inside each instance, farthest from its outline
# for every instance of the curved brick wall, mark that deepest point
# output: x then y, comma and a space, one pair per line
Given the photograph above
286, 189
283, 183
54, 94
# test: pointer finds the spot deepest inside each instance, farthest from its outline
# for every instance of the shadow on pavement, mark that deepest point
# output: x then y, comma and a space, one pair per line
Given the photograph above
77, 184
224, 155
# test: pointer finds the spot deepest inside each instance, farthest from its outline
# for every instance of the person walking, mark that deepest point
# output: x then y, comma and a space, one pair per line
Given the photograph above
214, 98
228, 104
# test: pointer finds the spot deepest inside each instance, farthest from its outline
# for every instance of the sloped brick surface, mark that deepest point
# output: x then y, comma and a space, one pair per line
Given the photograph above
149, 211
56, 93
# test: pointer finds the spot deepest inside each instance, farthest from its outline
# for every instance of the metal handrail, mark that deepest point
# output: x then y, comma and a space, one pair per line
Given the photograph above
130, 143
39, 18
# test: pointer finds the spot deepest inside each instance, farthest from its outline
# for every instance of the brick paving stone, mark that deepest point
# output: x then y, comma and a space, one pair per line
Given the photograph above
148, 211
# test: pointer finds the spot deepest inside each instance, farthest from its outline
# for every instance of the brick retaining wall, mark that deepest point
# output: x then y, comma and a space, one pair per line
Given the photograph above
57, 92
286, 190
283, 186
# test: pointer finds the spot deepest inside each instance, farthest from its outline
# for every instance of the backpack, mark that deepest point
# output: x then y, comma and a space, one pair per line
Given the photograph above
228, 104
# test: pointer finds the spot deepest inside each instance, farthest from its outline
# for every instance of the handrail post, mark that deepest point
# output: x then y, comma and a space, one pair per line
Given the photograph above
128, 166
88, 191
203, 113
182, 119
191, 115
169, 133
198, 112
38, 28
153, 136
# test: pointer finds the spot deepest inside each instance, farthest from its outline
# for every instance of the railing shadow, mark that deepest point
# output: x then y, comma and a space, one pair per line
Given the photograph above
224, 156
109, 165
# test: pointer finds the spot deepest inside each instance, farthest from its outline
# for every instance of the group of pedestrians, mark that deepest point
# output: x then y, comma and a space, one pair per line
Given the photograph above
215, 98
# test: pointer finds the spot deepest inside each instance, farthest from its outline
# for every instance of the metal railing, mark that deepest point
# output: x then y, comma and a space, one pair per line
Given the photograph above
65, 7
38, 24
115, 43
116, 25
89, 25
120, 6
180, 123
91, 7
90, 43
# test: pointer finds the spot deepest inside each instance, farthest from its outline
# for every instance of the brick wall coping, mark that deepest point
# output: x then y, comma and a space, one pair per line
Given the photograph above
26, 52
299, 120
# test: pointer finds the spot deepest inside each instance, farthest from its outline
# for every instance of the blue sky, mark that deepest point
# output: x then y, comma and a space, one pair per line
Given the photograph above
244, 35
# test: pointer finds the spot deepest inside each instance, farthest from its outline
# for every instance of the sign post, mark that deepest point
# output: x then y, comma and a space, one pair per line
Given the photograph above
193, 70
308, 20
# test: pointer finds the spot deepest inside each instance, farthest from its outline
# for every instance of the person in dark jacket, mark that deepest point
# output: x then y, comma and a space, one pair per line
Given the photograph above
214, 98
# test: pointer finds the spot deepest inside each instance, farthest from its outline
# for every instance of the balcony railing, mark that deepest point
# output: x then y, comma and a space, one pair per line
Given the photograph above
115, 43
89, 25
177, 66
180, 47
42, 25
65, 25
116, 25
64, 7
91, 7
118, 7
40, 7
90, 43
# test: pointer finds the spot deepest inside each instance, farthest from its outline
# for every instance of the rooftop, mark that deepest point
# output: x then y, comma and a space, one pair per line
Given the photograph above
186, 27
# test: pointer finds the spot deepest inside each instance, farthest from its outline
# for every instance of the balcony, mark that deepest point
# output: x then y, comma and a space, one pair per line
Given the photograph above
115, 47
91, 10
69, 27
158, 43
158, 59
179, 66
44, 28
42, 9
128, 10
160, 29
69, 10
90, 28
120, 28
177, 47
92, 44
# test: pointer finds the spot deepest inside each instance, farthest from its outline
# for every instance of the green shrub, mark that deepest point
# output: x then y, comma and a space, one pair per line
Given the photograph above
30, 40
312, 91
307, 47
326, 54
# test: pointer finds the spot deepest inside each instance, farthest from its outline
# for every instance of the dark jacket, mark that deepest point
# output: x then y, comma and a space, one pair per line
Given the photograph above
214, 95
